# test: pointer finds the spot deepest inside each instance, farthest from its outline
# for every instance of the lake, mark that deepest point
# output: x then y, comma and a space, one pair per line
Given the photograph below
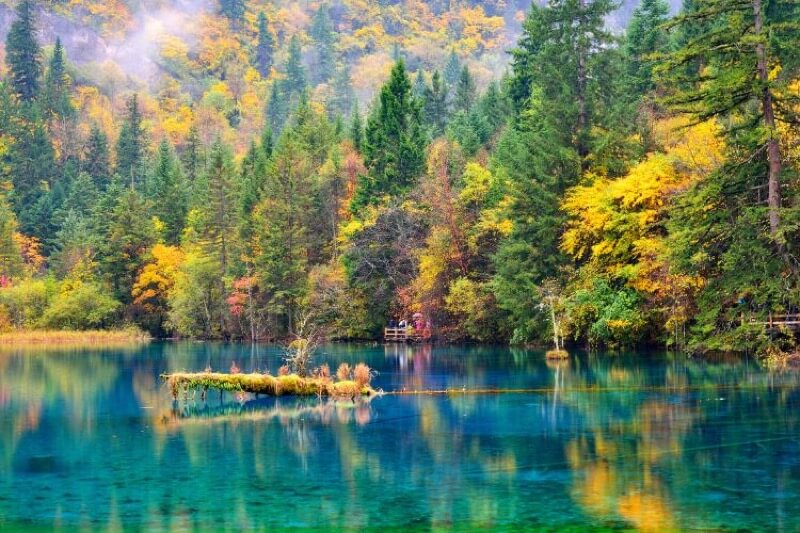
91, 439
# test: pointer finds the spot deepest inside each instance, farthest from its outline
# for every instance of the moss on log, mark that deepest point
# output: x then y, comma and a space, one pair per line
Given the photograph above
266, 384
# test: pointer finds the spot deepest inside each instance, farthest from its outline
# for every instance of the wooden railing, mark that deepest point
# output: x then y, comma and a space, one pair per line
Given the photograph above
395, 334
775, 320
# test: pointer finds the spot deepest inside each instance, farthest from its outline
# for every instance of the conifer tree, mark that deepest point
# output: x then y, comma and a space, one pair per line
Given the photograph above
419, 85
324, 46
192, 156
233, 10
265, 47
97, 163
644, 38
130, 145
167, 192
342, 97
357, 129
394, 145
277, 106
23, 54
10, 253
452, 70
466, 91
435, 105
295, 82
57, 85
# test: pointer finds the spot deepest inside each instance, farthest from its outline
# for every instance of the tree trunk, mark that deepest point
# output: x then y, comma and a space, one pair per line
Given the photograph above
773, 149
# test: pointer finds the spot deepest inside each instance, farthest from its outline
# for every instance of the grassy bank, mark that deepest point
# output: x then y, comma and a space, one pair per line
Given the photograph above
59, 338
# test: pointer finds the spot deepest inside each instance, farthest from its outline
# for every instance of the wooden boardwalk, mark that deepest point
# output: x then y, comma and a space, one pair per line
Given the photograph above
395, 334
789, 320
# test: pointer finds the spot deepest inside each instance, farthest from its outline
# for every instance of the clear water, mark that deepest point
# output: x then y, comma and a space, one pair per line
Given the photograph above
92, 440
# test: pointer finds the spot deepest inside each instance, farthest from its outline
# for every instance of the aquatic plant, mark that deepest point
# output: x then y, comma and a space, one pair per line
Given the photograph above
343, 372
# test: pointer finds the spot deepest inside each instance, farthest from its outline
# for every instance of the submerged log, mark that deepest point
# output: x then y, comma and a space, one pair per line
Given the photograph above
266, 384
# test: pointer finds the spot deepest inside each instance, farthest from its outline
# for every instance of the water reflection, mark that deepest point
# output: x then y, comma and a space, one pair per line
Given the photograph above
653, 442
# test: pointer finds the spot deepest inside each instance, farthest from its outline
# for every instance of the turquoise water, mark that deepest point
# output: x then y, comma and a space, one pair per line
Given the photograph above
91, 440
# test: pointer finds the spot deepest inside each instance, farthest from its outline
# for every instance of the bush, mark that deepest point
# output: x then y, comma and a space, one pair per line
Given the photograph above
26, 301
84, 306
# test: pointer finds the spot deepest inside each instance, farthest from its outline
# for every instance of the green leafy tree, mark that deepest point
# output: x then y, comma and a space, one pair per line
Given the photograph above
10, 253
233, 10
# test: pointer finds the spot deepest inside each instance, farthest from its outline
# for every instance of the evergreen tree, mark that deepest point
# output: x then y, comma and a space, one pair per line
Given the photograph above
324, 46
11, 264
167, 192
130, 145
465, 91
57, 85
452, 70
192, 156
419, 85
265, 47
742, 48
435, 105
277, 107
394, 145
645, 37
97, 163
23, 55
357, 129
220, 205
233, 10
295, 82
267, 143
343, 97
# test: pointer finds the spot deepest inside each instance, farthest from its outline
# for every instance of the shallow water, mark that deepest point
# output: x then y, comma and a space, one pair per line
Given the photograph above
608, 441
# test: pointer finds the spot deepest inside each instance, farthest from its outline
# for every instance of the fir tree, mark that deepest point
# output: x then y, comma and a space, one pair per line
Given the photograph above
644, 38
342, 97
295, 82
57, 85
233, 10
265, 47
23, 55
324, 46
452, 70
419, 85
130, 145
277, 107
357, 129
394, 145
465, 91
11, 264
168, 193
192, 156
97, 162
435, 105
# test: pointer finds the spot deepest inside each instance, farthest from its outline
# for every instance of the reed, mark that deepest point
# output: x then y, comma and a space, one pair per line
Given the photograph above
72, 339
256, 383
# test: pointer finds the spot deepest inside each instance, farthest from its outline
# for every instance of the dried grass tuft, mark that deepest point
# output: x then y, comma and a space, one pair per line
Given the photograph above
343, 372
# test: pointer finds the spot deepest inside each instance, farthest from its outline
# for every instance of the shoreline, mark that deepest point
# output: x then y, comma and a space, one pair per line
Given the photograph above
72, 339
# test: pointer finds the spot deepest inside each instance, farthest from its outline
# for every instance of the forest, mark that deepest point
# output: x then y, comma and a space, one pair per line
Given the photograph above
509, 171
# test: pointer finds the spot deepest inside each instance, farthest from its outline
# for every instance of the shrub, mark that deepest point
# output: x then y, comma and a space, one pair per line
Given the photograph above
26, 301
85, 306
343, 372
362, 374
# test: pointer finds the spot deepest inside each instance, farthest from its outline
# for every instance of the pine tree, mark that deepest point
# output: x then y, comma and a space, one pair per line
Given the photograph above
23, 55
394, 145
277, 107
465, 91
233, 10
357, 129
97, 163
57, 85
342, 97
435, 105
295, 82
130, 145
419, 85
742, 49
192, 156
324, 46
265, 47
267, 144
452, 70
167, 192
645, 37
11, 264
